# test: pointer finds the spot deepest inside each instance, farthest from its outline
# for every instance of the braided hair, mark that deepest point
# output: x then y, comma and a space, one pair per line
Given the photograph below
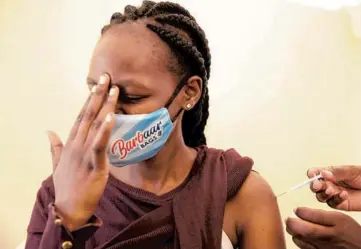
178, 28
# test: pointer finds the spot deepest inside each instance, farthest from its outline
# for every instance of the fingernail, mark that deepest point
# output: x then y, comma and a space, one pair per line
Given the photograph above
112, 91
108, 118
102, 80
316, 185
328, 191
295, 210
344, 195
94, 89
309, 172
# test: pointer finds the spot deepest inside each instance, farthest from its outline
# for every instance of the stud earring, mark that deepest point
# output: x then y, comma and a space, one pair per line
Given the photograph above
189, 106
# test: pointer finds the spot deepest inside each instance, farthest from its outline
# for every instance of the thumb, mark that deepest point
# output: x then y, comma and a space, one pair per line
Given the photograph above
56, 148
339, 173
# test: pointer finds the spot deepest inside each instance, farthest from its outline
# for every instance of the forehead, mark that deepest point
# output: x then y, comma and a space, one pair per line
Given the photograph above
131, 52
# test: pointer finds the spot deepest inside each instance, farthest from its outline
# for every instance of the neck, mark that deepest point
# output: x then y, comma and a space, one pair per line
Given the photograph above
165, 171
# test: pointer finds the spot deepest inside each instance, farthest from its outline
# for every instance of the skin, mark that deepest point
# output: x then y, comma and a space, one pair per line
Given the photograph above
132, 61
340, 188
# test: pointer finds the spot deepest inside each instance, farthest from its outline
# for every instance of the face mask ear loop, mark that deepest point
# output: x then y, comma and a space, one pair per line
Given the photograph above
176, 116
176, 91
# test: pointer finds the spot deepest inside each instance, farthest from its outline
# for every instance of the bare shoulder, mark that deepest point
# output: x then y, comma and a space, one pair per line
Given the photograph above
256, 214
254, 191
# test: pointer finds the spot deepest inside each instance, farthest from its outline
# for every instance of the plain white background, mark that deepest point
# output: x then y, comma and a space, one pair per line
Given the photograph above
285, 89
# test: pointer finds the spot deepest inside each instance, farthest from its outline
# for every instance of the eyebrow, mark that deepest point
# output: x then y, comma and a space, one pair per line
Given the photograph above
121, 83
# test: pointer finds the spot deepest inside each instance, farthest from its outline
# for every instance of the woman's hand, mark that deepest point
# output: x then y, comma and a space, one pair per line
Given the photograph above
340, 187
81, 167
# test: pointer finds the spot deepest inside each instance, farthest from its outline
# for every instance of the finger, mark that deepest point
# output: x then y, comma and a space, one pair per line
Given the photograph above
305, 229
101, 142
109, 106
302, 244
330, 191
318, 186
328, 175
95, 104
313, 172
315, 216
339, 173
56, 148
339, 201
75, 127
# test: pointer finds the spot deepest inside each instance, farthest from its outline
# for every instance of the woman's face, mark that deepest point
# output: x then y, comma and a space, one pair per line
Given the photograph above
136, 60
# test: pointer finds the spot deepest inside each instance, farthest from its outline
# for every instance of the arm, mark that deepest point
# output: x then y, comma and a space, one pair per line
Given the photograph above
258, 219
45, 230
80, 175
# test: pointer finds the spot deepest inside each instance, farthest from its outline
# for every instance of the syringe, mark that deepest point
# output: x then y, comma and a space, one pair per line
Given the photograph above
301, 185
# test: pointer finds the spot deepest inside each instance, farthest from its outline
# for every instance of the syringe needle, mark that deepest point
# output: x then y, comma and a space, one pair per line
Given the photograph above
281, 194
301, 185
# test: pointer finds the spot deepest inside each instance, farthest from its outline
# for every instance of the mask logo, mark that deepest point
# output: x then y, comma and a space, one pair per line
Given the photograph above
140, 140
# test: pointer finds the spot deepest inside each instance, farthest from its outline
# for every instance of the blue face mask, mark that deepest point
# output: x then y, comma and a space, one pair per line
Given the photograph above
136, 138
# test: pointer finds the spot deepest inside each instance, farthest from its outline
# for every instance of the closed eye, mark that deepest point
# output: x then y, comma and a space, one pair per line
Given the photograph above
130, 99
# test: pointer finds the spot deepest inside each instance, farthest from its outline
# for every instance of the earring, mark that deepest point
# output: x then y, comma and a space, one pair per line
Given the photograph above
189, 106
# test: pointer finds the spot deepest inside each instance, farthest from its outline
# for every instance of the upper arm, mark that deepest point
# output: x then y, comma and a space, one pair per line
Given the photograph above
258, 219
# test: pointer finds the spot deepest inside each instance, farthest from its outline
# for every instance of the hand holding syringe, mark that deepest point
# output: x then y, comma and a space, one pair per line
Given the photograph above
298, 186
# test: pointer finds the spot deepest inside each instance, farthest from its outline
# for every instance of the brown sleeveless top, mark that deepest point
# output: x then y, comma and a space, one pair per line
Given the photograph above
188, 217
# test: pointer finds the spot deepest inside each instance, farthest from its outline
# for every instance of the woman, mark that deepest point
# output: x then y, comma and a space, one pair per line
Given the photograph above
148, 111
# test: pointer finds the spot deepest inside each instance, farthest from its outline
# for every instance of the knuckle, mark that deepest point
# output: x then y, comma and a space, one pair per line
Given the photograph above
329, 236
75, 151
96, 125
89, 115
354, 170
311, 232
323, 185
90, 166
79, 118
97, 149
57, 146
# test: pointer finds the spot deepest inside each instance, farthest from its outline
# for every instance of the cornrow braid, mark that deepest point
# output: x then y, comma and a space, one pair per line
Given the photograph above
195, 32
146, 7
168, 20
170, 8
186, 47
131, 12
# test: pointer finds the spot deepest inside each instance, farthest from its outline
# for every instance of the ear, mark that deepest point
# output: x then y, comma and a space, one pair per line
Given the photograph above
192, 92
